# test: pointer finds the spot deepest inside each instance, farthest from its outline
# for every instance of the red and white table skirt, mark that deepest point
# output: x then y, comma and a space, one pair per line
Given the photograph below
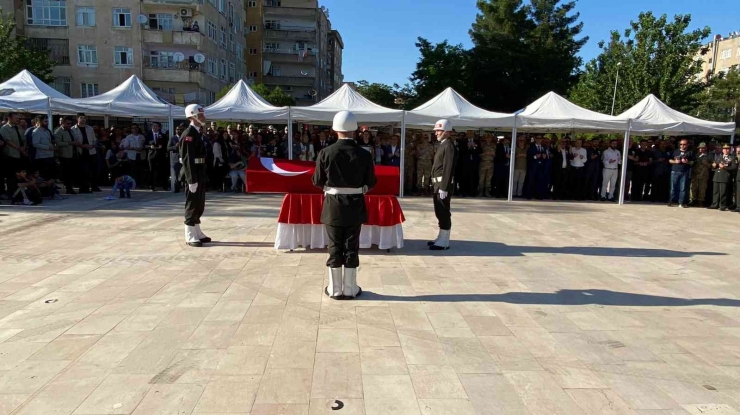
299, 223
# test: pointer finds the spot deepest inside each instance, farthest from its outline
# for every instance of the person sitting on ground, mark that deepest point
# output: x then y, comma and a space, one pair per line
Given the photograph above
124, 184
27, 193
47, 188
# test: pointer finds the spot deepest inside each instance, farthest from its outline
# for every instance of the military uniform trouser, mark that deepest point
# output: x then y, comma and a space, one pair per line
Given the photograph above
442, 211
195, 204
699, 185
719, 195
423, 176
344, 246
485, 174
408, 178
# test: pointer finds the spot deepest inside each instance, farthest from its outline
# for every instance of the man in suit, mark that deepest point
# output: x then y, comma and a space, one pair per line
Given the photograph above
85, 141
470, 165
501, 168
194, 171
392, 152
443, 177
536, 156
156, 144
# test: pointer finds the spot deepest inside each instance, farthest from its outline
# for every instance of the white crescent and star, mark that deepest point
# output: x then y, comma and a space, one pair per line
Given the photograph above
270, 165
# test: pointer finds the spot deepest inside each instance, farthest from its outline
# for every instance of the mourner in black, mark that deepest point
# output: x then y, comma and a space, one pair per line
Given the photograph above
345, 172
443, 178
193, 158
156, 142
723, 166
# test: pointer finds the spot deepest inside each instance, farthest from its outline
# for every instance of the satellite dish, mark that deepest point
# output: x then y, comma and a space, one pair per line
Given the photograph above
199, 58
312, 92
304, 73
179, 57
142, 18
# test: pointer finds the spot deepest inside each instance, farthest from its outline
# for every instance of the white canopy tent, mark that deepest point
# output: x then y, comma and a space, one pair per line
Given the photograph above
347, 99
452, 106
241, 103
25, 92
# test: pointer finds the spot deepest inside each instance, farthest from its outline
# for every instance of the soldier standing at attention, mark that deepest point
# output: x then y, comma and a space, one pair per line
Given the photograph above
485, 171
409, 164
443, 177
424, 158
722, 166
193, 159
345, 172
700, 176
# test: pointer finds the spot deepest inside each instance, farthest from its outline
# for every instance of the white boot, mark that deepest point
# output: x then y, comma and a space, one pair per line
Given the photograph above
443, 242
191, 236
351, 289
200, 235
434, 242
334, 289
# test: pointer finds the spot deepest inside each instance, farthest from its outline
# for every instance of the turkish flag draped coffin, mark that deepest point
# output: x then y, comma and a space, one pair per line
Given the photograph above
267, 175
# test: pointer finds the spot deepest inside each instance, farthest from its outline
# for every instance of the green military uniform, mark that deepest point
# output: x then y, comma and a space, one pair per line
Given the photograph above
721, 179
424, 157
700, 176
409, 165
485, 170
63, 140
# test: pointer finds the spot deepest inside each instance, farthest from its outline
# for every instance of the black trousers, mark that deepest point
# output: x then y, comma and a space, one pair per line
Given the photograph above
344, 246
68, 166
88, 172
578, 183
660, 188
442, 210
11, 167
47, 167
195, 205
592, 183
720, 193
639, 190
158, 173
559, 183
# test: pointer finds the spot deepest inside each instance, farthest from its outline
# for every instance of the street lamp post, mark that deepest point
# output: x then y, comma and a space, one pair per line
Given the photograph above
616, 82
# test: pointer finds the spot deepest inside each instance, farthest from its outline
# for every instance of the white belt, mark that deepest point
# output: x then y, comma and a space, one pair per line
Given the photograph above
343, 190
439, 180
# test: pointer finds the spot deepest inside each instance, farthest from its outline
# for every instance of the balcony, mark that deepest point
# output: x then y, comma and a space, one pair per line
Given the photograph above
269, 9
288, 80
289, 56
182, 3
169, 37
289, 33
176, 72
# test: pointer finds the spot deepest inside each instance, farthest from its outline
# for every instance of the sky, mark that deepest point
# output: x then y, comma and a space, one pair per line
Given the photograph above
379, 35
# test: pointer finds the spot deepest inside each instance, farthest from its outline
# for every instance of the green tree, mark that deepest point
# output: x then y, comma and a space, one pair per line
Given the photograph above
440, 66
17, 56
721, 100
380, 94
654, 56
261, 90
279, 98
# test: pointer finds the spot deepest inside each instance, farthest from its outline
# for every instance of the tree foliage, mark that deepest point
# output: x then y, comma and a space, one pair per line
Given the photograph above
17, 56
721, 101
380, 94
440, 66
656, 56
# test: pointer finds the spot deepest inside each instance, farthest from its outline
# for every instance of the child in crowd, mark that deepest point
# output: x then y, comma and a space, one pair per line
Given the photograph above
124, 184
27, 192
47, 188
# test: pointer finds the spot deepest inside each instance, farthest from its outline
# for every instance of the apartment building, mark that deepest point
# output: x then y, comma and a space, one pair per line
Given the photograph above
720, 55
185, 50
290, 44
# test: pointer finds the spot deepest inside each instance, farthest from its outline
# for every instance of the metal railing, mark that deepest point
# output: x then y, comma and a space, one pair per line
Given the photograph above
177, 66
289, 51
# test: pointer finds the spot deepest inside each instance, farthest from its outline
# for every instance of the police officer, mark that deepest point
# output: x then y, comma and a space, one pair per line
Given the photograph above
722, 166
193, 159
443, 177
345, 172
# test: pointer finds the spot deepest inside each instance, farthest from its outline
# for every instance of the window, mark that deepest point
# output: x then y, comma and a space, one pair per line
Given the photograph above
252, 28
231, 12
62, 84
223, 69
87, 54
232, 72
58, 49
88, 90
270, 46
212, 69
275, 70
726, 54
162, 59
222, 38
123, 56
161, 21
211, 30
46, 12
299, 46
231, 42
86, 16
239, 52
252, 4
253, 74
240, 75
222, 6
122, 17
252, 51
272, 24
238, 24
272, 3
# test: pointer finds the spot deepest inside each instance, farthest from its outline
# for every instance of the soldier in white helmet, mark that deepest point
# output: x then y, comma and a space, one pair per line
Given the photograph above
193, 158
345, 172
443, 178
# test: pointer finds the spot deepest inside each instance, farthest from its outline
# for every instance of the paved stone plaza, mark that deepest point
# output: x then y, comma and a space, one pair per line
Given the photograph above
539, 308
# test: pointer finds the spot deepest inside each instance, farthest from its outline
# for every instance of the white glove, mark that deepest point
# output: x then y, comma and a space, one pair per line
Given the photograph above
442, 194
193, 187
364, 189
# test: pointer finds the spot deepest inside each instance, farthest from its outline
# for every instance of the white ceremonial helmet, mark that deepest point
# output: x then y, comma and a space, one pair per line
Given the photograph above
344, 122
443, 125
193, 110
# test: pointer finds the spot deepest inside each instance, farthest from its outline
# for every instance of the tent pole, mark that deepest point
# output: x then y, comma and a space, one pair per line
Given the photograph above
732, 138
106, 121
290, 137
403, 152
512, 161
625, 152
49, 114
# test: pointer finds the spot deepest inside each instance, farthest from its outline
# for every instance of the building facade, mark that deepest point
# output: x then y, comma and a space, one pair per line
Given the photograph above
720, 55
185, 50
289, 44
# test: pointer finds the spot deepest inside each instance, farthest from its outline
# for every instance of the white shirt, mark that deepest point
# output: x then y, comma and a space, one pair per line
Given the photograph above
131, 143
611, 154
564, 152
579, 157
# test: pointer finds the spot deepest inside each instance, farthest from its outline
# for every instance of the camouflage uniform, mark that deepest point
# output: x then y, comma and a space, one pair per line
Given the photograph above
409, 165
424, 157
700, 177
485, 171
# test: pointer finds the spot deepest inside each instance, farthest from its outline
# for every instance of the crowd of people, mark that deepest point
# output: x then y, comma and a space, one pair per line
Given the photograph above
41, 161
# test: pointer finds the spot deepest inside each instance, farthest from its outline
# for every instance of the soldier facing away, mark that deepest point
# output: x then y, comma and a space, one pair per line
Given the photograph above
485, 171
700, 176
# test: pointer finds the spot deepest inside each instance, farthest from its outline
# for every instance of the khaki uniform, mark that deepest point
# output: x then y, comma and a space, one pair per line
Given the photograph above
485, 171
721, 181
409, 160
700, 176
424, 158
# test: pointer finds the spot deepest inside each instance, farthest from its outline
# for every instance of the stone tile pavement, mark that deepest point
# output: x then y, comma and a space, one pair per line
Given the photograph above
539, 308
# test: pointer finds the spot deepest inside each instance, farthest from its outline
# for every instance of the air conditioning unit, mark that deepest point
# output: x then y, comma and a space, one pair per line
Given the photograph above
186, 12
